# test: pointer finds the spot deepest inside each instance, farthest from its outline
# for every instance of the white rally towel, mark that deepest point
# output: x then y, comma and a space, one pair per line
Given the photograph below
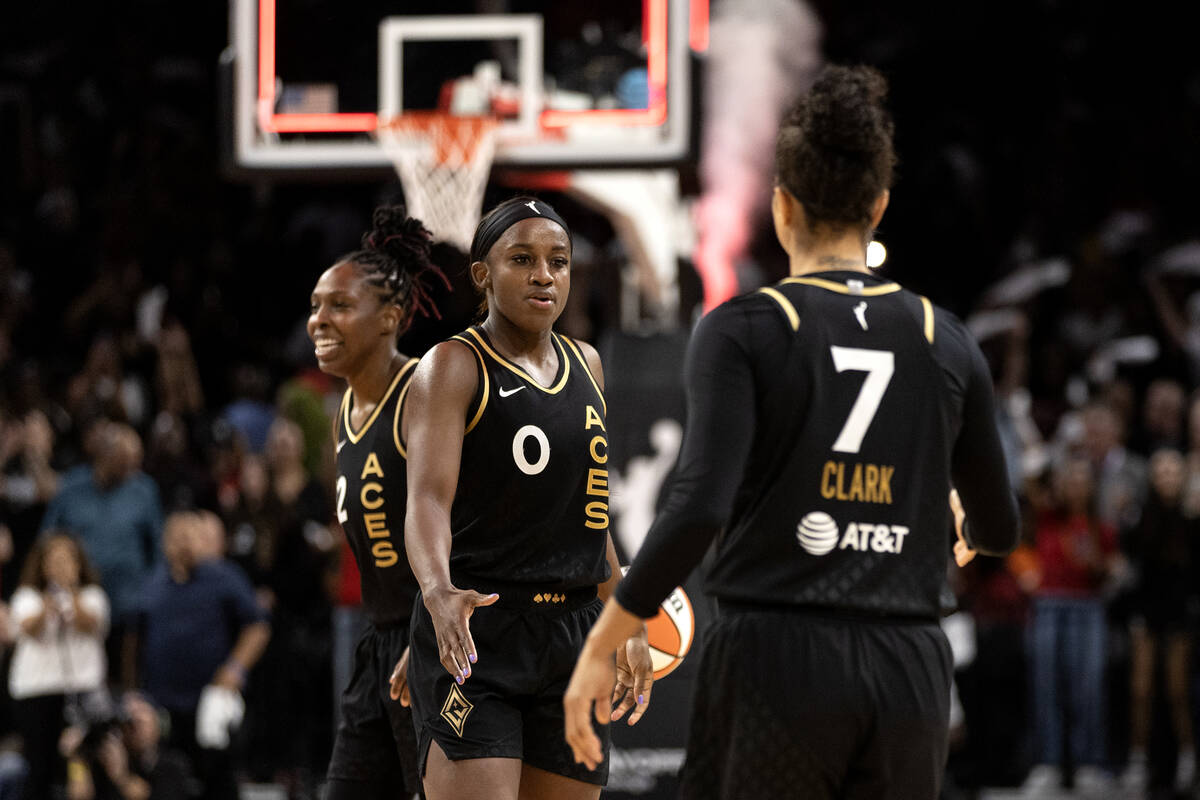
220, 712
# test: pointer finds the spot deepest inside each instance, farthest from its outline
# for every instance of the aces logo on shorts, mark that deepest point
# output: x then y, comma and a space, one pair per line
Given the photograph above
456, 709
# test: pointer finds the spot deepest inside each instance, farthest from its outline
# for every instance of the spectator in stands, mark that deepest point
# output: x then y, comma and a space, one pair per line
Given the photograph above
59, 619
211, 541
177, 378
1162, 418
1076, 550
250, 414
250, 520
1120, 475
103, 388
200, 627
993, 687
27, 481
128, 761
1163, 548
1191, 485
1178, 309
299, 555
183, 479
114, 509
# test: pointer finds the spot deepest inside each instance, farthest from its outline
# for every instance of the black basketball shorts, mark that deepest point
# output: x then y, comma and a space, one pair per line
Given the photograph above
376, 742
511, 705
806, 705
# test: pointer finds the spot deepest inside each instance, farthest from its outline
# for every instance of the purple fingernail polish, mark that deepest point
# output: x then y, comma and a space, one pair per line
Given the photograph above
458, 678
641, 699
472, 657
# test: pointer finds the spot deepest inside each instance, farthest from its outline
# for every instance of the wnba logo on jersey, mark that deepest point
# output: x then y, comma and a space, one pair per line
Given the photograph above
818, 534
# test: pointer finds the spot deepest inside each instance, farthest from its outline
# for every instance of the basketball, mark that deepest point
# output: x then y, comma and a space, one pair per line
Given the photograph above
670, 632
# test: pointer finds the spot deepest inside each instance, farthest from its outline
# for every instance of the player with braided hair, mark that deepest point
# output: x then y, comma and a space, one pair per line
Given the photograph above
359, 307
828, 416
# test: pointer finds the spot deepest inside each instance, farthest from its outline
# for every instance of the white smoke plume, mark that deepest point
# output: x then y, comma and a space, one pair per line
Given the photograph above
762, 54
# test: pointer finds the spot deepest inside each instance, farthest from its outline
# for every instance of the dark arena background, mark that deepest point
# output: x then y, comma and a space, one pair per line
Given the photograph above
175, 176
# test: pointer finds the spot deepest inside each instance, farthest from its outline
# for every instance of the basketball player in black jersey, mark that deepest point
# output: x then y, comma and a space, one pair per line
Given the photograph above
359, 307
828, 416
507, 528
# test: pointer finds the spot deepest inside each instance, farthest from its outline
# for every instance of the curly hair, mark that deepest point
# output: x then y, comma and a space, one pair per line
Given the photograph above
834, 150
395, 256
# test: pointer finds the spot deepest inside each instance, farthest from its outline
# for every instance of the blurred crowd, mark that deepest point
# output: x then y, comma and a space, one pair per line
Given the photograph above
176, 598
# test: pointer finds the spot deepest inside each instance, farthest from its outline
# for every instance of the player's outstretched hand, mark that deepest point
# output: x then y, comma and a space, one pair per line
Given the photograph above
451, 610
588, 694
963, 552
635, 678
399, 681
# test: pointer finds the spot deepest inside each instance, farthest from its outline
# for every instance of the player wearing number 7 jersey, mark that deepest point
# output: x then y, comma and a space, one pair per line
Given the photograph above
828, 417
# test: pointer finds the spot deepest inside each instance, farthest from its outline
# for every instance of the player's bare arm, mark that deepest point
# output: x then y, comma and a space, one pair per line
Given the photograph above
433, 426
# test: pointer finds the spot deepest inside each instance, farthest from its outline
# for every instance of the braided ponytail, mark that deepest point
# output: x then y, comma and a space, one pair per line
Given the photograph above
395, 257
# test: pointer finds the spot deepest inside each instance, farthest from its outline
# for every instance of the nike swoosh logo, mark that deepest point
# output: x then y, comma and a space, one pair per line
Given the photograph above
338, 447
506, 393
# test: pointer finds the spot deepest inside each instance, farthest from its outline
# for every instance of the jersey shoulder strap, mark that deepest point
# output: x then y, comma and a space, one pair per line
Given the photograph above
927, 320
484, 382
406, 375
785, 305
335, 429
922, 312
575, 350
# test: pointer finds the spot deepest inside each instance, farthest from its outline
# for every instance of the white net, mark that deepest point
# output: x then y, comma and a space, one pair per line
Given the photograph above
443, 162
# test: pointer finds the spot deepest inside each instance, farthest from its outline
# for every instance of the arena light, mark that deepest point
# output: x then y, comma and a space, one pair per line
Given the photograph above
876, 255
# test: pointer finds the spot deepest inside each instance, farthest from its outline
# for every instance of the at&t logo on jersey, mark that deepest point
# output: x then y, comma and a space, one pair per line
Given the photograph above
818, 534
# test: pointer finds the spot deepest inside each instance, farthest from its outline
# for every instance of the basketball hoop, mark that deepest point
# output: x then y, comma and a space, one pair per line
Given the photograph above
443, 162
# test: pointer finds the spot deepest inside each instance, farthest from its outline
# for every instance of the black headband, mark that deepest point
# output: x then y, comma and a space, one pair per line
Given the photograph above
504, 217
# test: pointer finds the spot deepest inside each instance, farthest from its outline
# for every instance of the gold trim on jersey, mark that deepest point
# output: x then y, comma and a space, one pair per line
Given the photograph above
486, 382
504, 362
350, 433
785, 304
336, 428
582, 360
396, 417
841, 288
925, 304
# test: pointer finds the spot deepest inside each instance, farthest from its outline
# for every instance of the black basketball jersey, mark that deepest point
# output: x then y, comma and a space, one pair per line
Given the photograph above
532, 499
372, 490
844, 500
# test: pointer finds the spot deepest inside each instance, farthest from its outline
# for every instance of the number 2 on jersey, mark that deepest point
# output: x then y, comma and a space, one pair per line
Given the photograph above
879, 366
342, 516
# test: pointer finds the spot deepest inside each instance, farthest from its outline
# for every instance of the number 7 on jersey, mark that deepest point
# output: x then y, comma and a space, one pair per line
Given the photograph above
879, 366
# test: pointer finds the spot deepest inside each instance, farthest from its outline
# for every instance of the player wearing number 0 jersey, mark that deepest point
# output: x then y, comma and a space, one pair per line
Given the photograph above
547, 449
507, 528
359, 307
828, 417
